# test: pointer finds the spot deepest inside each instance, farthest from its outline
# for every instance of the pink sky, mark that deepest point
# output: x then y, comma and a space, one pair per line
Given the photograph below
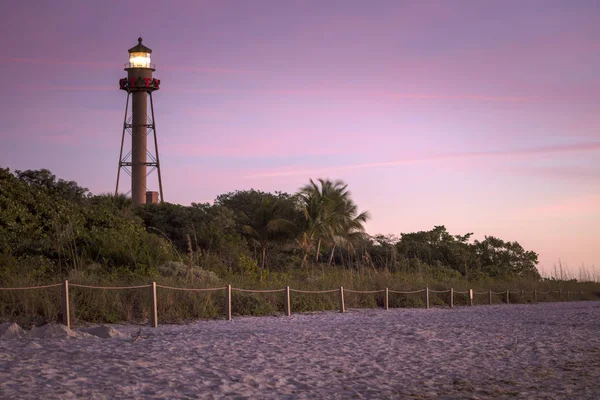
481, 116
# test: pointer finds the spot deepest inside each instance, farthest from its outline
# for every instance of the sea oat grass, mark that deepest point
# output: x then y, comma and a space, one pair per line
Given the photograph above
34, 307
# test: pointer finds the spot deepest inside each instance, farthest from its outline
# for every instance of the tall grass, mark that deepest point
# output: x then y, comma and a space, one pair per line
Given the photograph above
35, 307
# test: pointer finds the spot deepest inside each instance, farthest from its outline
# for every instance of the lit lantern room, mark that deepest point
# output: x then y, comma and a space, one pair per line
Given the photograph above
139, 56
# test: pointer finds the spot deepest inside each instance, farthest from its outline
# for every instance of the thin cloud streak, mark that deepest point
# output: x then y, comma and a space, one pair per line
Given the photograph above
571, 207
53, 88
99, 64
583, 147
371, 94
292, 92
49, 61
216, 70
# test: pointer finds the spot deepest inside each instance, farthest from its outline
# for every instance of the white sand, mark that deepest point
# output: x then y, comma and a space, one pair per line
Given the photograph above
542, 351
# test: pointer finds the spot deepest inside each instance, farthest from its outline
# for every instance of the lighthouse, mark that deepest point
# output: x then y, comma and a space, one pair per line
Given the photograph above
139, 162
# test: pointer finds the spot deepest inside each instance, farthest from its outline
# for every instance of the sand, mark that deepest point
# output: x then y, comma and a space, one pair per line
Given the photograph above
537, 351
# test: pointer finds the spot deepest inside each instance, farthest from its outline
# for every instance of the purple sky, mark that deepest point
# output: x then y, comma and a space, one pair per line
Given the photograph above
479, 115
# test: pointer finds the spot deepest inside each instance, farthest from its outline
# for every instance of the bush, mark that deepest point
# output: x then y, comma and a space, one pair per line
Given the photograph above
176, 269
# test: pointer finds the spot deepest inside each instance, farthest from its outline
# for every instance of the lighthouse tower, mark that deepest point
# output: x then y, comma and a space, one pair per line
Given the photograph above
139, 86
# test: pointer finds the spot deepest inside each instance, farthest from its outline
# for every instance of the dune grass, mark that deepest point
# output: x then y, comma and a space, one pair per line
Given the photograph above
39, 306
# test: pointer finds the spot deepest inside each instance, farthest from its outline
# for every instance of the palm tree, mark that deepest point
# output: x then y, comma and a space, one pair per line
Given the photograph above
119, 200
331, 215
347, 223
315, 228
266, 226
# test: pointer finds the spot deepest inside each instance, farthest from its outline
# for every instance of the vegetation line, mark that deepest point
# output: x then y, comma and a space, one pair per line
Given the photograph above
51, 229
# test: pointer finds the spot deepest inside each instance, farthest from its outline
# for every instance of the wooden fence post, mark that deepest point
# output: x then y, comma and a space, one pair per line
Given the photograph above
387, 298
288, 311
567, 295
507, 297
535, 295
66, 317
522, 296
154, 308
559, 294
427, 296
228, 303
490, 296
471, 296
342, 308
451, 297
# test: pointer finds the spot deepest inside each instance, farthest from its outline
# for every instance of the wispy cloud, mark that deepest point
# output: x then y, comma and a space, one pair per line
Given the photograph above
548, 150
463, 96
332, 93
216, 70
570, 207
261, 147
581, 173
76, 88
50, 61
99, 64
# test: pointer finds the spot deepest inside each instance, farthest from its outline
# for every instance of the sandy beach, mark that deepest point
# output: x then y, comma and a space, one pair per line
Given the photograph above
537, 351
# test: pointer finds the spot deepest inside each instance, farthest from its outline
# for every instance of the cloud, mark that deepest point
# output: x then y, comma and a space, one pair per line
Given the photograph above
59, 138
254, 147
581, 173
371, 94
464, 96
581, 147
570, 207
99, 64
50, 61
74, 88
216, 70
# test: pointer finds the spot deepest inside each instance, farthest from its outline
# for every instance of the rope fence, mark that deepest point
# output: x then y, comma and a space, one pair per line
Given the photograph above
258, 291
287, 290
192, 289
364, 291
413, 292
109, 287
314, 291
32, 287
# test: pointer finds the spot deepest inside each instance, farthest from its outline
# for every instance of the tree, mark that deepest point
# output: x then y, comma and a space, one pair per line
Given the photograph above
498, 258
266, 225
331, 215
43, 178
246, 203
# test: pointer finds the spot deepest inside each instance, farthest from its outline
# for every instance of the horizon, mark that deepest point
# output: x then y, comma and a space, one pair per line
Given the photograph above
480, 117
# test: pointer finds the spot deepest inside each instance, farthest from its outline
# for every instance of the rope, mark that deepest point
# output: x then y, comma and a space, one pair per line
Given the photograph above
110, 287
191, 290
364, 291
258, 291
267, 291
314, 291
32, 287
415, 291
